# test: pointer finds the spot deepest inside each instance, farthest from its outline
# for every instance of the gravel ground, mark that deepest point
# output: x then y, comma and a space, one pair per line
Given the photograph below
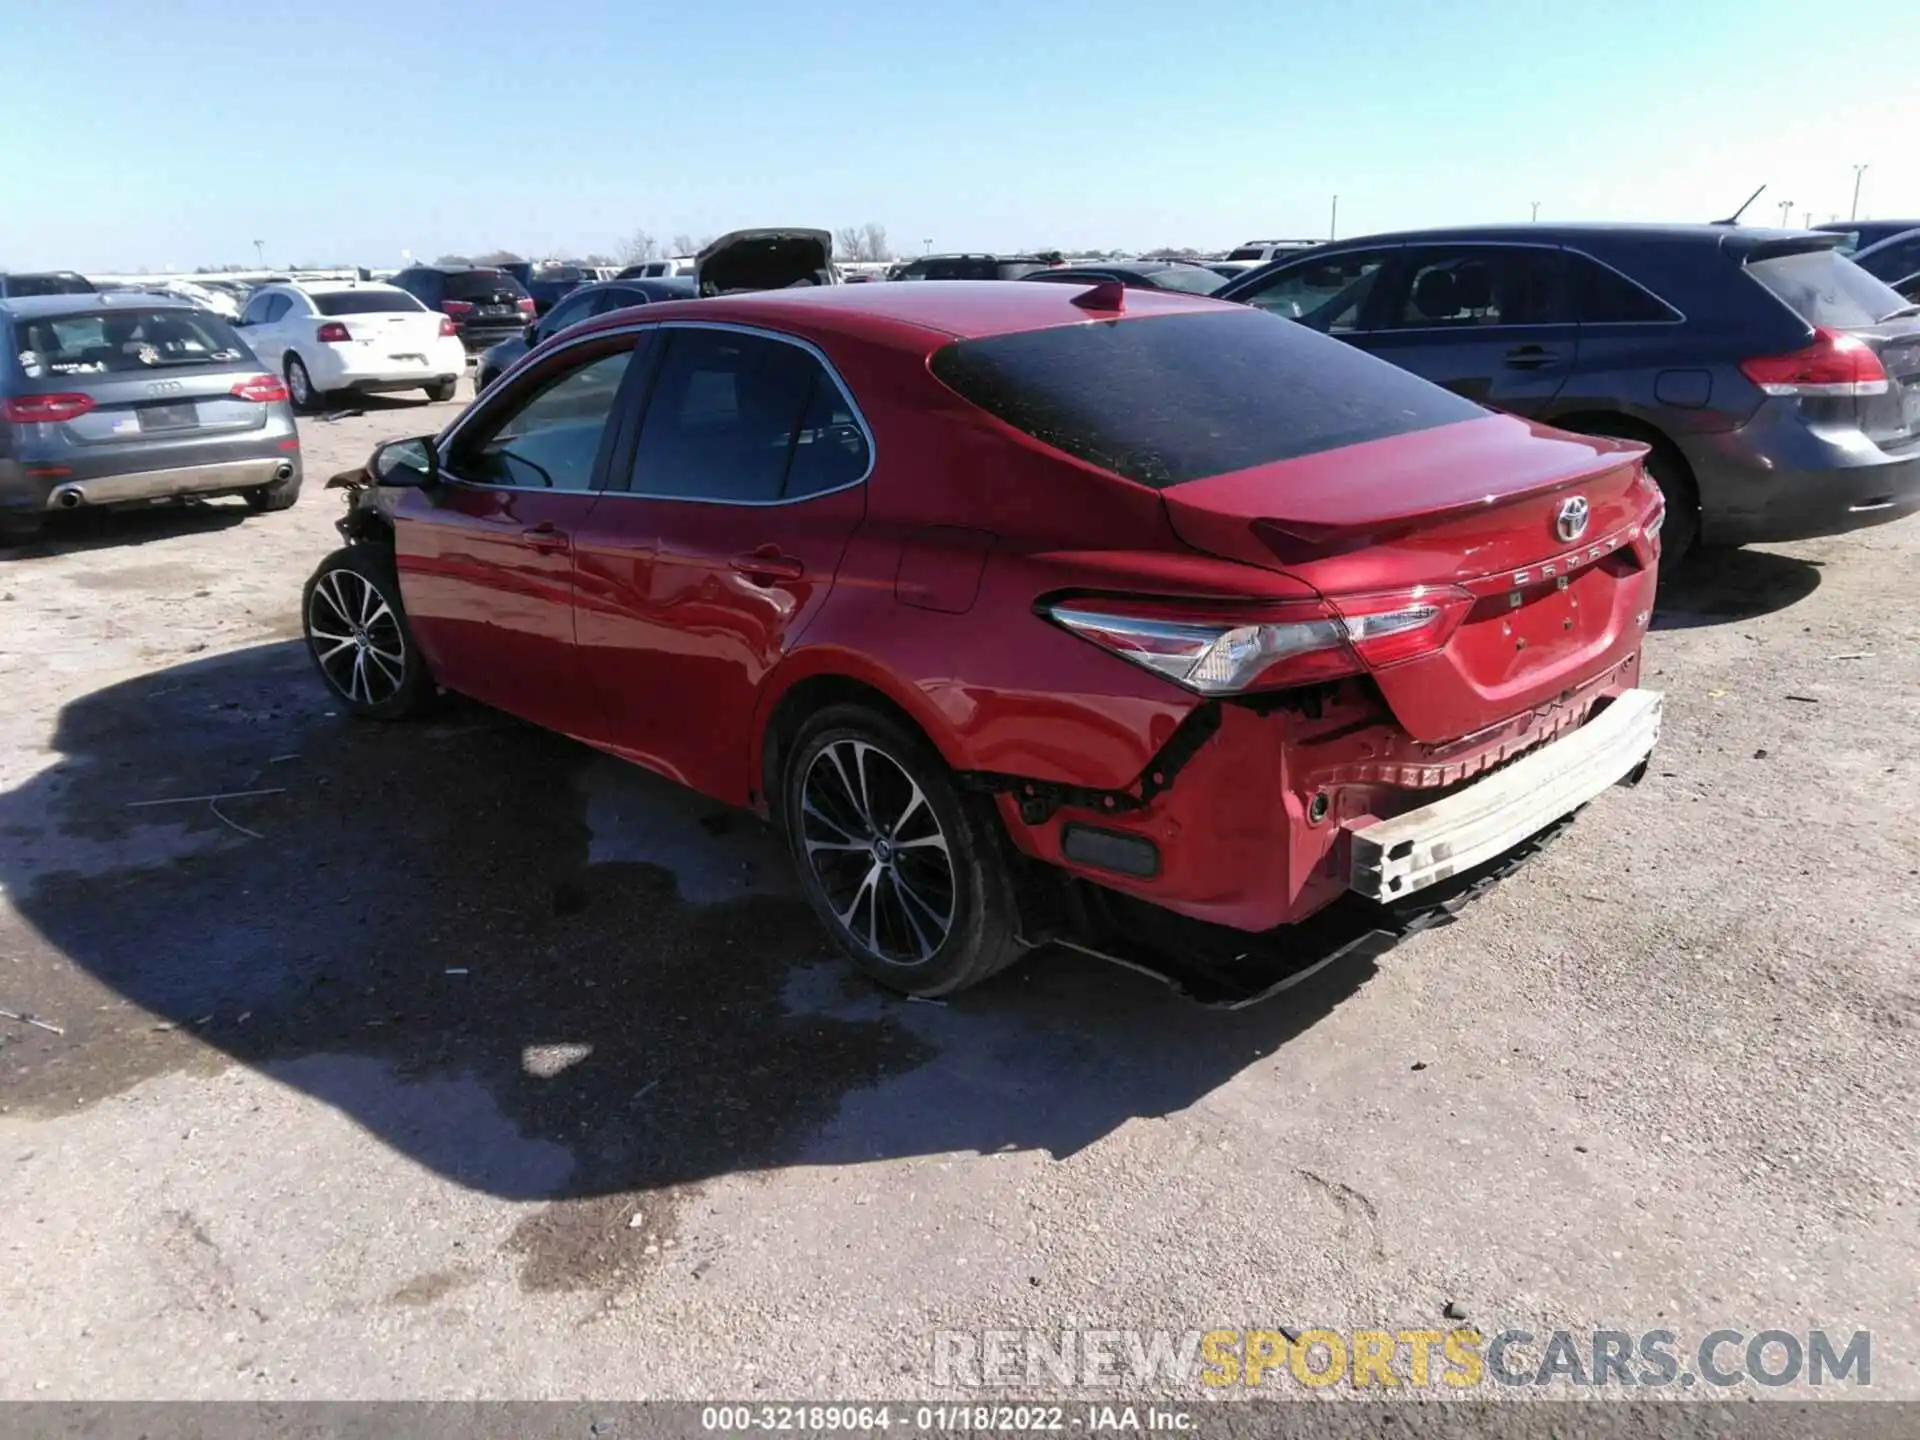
468, 1063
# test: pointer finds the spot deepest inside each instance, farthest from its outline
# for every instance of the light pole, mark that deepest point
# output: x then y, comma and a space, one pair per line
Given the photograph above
1806, 219
1786, 213
260, 252
1536, 210
1858, 171
1333, 220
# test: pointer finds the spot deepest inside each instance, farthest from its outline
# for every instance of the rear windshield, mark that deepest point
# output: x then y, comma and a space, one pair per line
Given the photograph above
24, 285
1193, 279
1248, 252
116, 341
1170, 398
1823, 287
469, 284
364, 302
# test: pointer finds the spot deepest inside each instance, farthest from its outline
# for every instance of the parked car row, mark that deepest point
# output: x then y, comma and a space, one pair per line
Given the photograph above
1775, 382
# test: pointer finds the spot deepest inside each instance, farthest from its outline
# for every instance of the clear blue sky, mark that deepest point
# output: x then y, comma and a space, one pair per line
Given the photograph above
176, 132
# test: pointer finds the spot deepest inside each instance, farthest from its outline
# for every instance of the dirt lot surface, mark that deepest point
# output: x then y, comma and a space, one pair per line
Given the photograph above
470, 1063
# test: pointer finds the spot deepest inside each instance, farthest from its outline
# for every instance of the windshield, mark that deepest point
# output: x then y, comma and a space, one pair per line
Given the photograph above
1248, 252
365, 302
1171, 398
1823, 287
117, 341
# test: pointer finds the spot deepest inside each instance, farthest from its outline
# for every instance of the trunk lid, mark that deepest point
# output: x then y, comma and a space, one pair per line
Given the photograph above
132, 409
1543, 529
391, 334
494, 295
764, 259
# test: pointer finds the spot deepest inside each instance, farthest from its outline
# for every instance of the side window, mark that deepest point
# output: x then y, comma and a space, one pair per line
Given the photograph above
570, 311
1897, 262
1326, 295
1602, 296
1469, 286
256, 311
277, 307
830, 452
549, 438
746, 419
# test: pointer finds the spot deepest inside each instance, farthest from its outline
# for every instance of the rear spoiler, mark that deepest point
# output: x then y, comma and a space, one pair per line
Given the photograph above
1775, 246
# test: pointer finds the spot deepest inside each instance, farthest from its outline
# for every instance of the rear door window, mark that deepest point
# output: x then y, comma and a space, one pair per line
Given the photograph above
1170, 398
122, 341
1470, 286
1825, 288
1328, 295
744, 419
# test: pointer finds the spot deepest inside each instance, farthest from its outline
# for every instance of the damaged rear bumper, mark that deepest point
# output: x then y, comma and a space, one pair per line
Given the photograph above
1394, 858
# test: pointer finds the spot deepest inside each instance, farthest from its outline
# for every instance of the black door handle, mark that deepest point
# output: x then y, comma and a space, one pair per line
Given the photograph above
1530, 357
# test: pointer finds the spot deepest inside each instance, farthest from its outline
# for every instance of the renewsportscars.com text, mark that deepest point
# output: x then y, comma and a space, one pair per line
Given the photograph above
1459, 1358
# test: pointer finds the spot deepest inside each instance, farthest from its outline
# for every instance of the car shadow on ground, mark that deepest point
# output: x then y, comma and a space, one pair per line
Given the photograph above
78, 531
540, 973
1721, 587
347, 407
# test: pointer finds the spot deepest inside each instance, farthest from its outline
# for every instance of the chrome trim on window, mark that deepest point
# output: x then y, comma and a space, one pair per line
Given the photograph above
637, 329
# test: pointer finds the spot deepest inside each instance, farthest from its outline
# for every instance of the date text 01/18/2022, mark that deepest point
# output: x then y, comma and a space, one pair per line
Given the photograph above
942, 1419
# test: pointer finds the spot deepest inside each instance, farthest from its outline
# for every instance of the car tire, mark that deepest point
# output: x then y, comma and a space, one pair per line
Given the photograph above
280, 495
21, 529
441, 391
481, 379
909, 875
357, 633
300, 388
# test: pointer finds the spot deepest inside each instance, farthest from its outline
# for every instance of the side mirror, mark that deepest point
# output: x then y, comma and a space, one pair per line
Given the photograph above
406, 464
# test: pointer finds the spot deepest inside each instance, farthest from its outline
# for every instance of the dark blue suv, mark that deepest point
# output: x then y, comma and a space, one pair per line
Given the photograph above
1776, 382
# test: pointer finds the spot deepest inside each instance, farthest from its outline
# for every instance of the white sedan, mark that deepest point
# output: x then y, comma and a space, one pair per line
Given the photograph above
338, 336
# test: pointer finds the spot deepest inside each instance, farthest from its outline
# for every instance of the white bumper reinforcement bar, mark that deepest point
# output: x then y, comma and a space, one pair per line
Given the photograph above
1394, 858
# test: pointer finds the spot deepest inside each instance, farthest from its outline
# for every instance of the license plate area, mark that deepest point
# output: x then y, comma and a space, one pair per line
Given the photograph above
182, 416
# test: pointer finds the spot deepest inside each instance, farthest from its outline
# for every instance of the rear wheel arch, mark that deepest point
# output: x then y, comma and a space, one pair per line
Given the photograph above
790, 704
1669, 466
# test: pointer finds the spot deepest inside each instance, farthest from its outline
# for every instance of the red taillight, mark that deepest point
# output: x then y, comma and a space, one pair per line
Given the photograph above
1835, 364
457, 308
1269, 646
447, 327
525, 302
44, 409
263, 388
333, 333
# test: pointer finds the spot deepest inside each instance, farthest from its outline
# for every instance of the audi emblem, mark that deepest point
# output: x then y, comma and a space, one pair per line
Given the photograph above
165, 387
1571, 522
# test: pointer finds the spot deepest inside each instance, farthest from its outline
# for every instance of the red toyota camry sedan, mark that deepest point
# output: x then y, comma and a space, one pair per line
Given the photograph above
988, 592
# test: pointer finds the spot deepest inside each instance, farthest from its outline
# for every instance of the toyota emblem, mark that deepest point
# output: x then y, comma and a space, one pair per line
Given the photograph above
1571, 522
